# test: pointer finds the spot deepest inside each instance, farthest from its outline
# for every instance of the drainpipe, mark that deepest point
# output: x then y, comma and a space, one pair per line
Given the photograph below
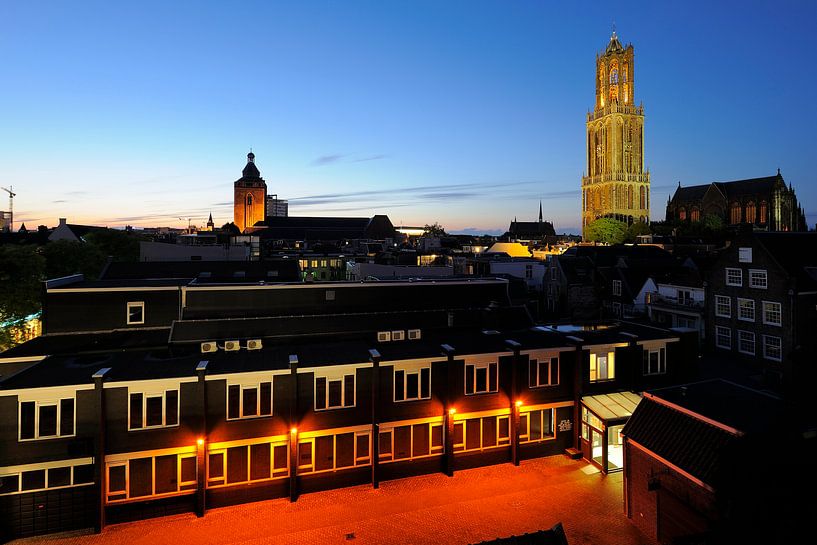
514, 399
201, 441
374, 357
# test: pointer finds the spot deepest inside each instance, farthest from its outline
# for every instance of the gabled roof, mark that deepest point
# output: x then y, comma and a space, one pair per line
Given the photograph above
731, 190
614, 46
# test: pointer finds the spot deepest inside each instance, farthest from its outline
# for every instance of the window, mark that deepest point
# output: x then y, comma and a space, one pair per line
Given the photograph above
746, 310
655, 361
250, 462
695, 215
543, 372
536, 425
772, 313
482, 433
334, 392
46, 419
602, 366
412, 385
734, 213
151, 476
684, 297
745, 255
249, 400
411, 441
136, 313
616, 287
772, 348
590, 420
682, 214
723, 337
758, 279
13, 481
153, 410
763, 212
751, 212
723, 306
333, 452
480, 378
746, 342
734, 277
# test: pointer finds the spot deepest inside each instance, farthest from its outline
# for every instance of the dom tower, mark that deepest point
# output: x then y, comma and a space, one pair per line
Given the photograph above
616, 184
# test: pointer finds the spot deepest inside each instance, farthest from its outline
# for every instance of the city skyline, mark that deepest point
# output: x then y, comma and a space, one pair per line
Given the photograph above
462, 114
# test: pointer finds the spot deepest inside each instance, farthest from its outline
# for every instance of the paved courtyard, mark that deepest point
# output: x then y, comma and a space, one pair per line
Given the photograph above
474, 505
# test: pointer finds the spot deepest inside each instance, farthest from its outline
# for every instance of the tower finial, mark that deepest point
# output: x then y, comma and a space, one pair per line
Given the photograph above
540, 210
614, 31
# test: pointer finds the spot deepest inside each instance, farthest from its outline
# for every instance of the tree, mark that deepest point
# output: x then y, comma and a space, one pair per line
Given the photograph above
636, 229
607, 231
434, 230
22, 270
64, 258
114, 243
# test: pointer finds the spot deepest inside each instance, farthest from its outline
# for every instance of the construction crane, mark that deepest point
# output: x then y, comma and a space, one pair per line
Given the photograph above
11, 206
189, 224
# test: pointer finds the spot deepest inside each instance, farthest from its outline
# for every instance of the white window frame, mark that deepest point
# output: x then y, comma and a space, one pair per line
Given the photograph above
432, 450
546, 362
335, 378
152, 455
662, 360
766, 353
134, 304
750, 305
617, 287
481, 365
222, 448
309, 469
720, 302
740, 347
500, 442
524, 433
736, 272
779, 311
610, 355
411, 371
250, 386
154, 394
44, 403
720, 332
46, 467
758, 274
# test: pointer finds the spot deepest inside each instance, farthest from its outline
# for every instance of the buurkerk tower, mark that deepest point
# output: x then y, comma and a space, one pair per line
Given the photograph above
249, 196
616, 184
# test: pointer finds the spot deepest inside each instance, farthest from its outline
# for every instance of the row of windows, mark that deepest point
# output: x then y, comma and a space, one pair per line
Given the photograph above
151, 476
757, 278
46, 419
772, 347
44, 479
772, 311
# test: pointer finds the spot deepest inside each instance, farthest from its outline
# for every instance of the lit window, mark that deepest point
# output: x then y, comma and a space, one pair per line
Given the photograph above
723, 337
695, 214
772, 313
682, 214
46, 419
734, 213
481, 378
746, 342
334, 392
745, 255
772, 348
481, 433
536, 426
162, 475
249, 400
758, 279
410, 441
136, 313
655, 361
734, 277
543, 372
723, 306
602, 366
616, 287
746, 310
153, 410
412, 385
76, 474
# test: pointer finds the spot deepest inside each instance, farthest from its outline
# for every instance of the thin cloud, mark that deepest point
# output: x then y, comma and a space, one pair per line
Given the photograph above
324, 160
58, 202
370, 158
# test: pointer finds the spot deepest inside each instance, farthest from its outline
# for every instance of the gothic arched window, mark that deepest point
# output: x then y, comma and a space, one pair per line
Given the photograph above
249, 200
763, 213
734, 213
642, 197
682, 214
695, 214
630, 197
750, 212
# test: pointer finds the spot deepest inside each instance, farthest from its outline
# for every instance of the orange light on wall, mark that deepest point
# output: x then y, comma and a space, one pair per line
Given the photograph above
199, 441
293, 431
518, 403
452, 411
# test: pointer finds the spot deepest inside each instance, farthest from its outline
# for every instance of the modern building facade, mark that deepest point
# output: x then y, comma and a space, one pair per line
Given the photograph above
148, 397
616, 184
765, 203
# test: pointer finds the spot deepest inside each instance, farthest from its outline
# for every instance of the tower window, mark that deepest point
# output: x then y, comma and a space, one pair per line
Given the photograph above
614, 76
249, 200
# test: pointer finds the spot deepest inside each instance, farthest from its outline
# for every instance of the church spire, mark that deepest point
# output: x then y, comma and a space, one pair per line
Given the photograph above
540, 210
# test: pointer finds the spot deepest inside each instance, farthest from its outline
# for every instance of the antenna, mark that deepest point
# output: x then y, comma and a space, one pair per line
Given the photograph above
12, 194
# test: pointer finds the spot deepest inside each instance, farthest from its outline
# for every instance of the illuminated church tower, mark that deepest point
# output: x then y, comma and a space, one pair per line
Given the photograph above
616, 184
250, 196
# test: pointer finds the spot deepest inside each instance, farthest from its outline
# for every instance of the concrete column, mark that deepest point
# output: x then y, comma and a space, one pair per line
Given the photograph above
293, 428
374, 356
450, 410
514, 399
201, 441
99, 452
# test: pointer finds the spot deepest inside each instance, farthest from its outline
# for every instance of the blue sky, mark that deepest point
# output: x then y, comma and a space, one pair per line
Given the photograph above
465, 113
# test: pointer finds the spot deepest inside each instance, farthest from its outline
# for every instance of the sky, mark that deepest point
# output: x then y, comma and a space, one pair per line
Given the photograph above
465, 113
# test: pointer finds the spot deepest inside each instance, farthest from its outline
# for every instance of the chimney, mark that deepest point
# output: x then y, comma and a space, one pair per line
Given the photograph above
63, 222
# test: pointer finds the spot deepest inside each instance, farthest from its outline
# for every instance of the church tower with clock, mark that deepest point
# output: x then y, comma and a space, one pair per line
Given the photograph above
616, 185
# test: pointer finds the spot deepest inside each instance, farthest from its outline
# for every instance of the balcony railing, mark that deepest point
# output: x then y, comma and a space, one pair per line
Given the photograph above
617, 177
615, 109
655, 298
